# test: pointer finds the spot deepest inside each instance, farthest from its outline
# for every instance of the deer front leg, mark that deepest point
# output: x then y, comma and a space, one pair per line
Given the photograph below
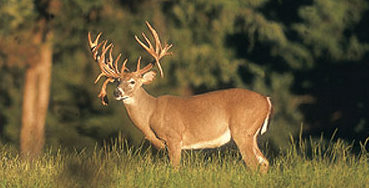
174, 150
150, 136
158, 144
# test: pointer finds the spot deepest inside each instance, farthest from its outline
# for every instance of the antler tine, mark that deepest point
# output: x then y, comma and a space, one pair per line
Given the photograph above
116, 63
111, 60
146, 68
147, 41
156, 37
124, 66
138, 64
101, 60
102, 94
94, 46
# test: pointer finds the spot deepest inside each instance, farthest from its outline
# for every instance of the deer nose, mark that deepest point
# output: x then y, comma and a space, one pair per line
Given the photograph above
118, 92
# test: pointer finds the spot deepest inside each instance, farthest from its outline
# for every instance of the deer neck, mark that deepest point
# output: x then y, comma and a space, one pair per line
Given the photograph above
141, 109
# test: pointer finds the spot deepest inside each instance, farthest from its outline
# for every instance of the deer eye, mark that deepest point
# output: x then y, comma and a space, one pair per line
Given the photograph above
132, 82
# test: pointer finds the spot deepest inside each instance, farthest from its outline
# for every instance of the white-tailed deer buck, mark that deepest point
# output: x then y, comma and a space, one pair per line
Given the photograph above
202, 121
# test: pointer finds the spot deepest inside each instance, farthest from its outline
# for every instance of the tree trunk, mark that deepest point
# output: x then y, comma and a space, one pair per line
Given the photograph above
35, 102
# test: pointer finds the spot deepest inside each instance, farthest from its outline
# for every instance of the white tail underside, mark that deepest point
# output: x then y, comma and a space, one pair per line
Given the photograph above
266, 121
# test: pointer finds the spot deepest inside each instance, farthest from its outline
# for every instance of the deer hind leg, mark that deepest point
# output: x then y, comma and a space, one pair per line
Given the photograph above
263, 162
251, 154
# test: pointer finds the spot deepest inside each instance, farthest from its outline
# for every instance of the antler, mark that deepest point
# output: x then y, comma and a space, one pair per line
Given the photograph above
158, 52
108, 69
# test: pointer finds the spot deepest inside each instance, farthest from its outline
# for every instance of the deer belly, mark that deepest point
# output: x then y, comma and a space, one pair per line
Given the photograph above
213, 143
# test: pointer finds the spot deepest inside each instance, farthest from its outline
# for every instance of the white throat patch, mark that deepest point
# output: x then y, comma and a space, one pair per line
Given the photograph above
128, 100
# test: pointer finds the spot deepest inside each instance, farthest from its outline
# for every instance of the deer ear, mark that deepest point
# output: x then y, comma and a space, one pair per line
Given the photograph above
148, 77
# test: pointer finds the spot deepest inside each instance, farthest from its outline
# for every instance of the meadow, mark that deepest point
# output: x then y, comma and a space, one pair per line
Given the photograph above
307, 163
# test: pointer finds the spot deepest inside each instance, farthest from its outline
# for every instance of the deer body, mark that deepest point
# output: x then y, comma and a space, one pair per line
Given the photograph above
202, 121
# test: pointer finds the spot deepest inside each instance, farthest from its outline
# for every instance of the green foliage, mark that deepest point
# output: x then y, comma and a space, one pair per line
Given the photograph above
306, 163
16, 15
199, 37
328, 28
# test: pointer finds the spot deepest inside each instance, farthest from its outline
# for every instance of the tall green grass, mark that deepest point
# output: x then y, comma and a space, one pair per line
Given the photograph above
308, 163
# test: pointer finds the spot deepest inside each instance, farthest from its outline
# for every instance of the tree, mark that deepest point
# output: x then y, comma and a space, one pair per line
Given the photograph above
28, 41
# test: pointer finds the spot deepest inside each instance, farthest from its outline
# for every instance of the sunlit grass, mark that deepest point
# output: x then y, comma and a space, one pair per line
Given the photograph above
308, 163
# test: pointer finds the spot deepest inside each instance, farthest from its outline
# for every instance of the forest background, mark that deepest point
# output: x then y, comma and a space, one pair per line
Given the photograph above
310, 56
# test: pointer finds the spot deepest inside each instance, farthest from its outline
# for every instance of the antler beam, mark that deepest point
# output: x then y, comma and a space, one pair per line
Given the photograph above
158, 52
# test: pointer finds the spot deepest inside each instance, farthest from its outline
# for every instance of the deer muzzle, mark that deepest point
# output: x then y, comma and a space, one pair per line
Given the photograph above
119, 94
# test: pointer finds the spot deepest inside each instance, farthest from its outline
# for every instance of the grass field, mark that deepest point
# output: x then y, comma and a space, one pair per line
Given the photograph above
307, 163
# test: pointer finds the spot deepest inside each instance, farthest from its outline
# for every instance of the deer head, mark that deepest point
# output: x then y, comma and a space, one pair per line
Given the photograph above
128, 81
